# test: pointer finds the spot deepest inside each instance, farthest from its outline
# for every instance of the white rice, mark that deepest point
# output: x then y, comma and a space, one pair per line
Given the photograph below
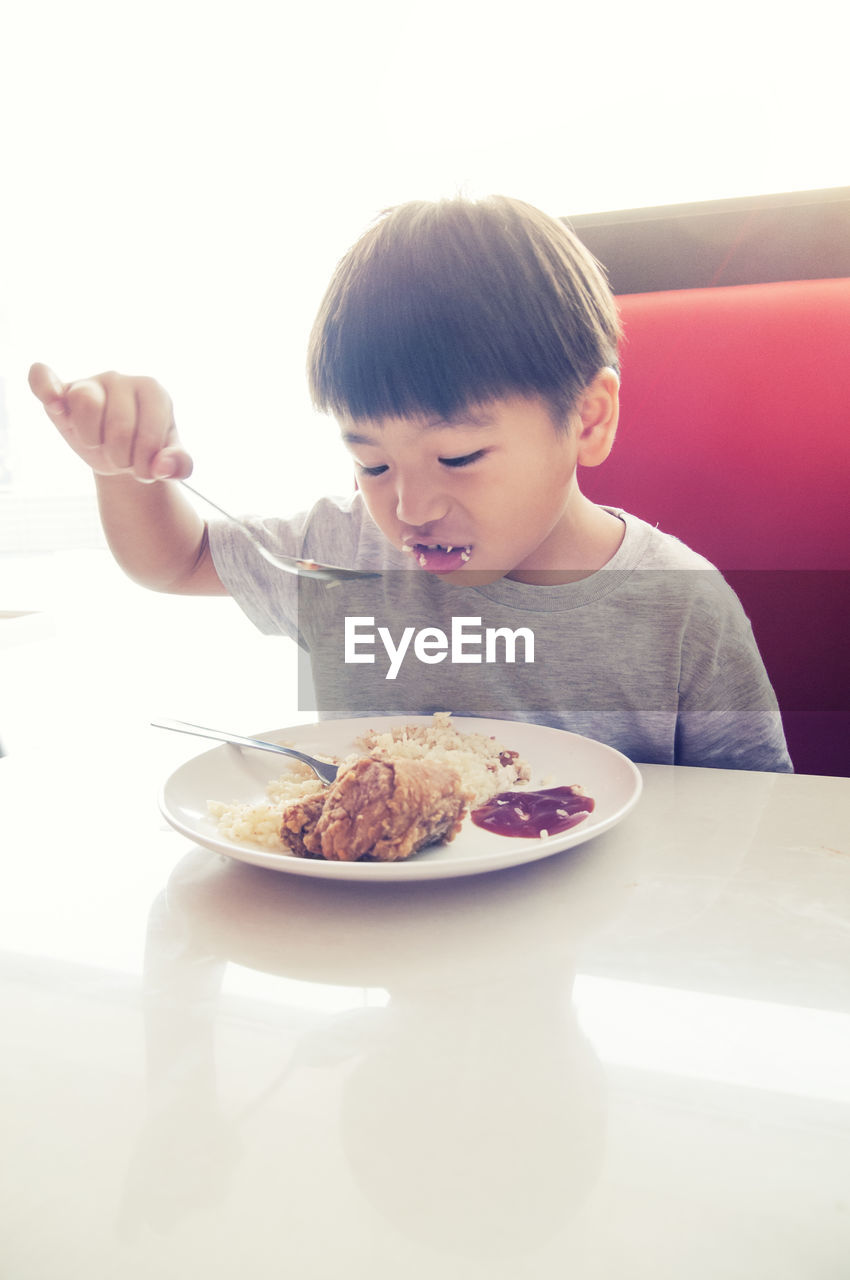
475, 756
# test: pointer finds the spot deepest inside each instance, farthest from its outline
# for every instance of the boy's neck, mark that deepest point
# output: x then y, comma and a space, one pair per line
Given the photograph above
588, 541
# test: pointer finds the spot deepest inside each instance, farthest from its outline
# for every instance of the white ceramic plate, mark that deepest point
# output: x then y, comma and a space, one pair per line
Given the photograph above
232, 774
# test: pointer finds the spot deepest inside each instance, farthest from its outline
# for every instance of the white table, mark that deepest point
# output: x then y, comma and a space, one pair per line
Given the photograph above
630, 1060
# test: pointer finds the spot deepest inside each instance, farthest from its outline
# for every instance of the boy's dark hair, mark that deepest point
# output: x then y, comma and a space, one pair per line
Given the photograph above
444, 305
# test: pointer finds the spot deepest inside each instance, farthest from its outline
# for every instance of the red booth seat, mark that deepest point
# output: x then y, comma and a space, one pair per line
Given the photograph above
735, 436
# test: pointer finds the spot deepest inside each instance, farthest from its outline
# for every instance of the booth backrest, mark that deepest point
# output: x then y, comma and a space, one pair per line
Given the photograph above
735, 436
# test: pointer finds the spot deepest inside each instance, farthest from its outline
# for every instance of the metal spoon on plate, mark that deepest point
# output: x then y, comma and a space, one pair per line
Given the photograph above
323, 770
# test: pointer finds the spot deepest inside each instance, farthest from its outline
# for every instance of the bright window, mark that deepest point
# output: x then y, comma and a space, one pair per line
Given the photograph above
179, 179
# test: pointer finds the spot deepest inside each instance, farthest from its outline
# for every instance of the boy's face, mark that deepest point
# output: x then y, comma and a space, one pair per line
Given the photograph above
490, 494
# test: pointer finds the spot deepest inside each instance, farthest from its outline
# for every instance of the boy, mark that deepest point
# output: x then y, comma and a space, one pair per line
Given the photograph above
469, 352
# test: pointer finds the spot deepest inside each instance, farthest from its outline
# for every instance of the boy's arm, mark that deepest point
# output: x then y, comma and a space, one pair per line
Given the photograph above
156, 536
123, 428
728, 714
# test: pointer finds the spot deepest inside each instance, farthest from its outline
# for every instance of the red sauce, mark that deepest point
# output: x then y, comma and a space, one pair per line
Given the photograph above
530, 813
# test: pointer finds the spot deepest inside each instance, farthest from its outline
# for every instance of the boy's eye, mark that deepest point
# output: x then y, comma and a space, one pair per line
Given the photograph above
463, 461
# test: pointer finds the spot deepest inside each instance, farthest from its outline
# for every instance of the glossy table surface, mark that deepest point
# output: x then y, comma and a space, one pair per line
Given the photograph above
629, 1060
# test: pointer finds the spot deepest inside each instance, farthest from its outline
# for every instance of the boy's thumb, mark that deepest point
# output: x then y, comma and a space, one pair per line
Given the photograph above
172, 463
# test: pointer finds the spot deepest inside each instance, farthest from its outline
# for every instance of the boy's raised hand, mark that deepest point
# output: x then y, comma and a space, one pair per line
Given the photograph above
119, 425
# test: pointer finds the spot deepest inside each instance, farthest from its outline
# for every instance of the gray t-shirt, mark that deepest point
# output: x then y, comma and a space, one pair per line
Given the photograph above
652, 654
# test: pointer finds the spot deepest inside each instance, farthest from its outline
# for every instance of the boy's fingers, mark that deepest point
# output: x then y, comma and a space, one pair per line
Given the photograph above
118, 422
75, 407
154, 426
85, 405
47, 387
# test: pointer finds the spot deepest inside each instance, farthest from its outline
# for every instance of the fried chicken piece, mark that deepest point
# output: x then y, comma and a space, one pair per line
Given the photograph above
381, 809
299, 825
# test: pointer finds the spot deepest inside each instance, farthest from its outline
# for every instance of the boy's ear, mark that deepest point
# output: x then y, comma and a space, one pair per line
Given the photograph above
598, 411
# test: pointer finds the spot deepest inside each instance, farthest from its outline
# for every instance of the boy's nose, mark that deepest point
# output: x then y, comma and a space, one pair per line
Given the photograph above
418, 505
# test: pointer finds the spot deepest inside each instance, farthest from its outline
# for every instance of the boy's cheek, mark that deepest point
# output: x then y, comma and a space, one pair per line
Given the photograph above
384, 519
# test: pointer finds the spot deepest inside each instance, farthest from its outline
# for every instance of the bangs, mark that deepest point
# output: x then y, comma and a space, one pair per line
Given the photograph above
443, 306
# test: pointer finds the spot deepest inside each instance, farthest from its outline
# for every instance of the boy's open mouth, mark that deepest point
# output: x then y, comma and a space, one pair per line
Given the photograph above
437, 557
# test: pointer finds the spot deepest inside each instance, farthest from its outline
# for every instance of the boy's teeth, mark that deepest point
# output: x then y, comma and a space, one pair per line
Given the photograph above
420, 550
439, 546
